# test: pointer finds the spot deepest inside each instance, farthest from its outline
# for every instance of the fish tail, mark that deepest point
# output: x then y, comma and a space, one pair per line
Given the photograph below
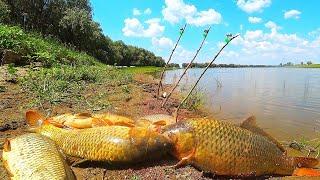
306, 172
305, 162
34, 118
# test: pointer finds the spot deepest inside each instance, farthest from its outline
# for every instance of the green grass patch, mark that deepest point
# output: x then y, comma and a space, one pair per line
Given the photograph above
66, 83
308, 66
36, 48
141, 70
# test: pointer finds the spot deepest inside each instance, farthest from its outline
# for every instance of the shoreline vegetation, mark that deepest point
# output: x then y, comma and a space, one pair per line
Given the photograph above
291, 65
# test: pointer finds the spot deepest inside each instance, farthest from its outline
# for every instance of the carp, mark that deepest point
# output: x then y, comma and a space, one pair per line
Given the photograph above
222, 148
155, 121
113, 144
82, 120
32, 156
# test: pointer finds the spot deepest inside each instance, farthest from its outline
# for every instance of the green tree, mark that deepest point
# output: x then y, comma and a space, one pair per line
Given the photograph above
4, 12
78, 28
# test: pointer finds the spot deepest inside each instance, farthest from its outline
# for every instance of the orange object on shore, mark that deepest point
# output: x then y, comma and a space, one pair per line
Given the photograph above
306, 172
113, 144
81, 120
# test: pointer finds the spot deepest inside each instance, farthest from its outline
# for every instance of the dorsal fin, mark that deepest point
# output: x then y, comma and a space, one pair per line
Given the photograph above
7, 145
251, 125
83, 115
34, 118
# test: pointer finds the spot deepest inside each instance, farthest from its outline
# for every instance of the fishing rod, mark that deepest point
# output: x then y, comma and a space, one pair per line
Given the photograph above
228, 39
165, 67
205, 35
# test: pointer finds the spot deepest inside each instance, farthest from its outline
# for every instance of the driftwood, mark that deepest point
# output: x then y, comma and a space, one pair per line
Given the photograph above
189, 65
165, 67
204, 71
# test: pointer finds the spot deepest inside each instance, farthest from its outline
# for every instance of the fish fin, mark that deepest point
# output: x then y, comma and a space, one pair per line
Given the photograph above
251, 125
7, 145
306, 172
157, 129
96, 122
122, 123
186, 160
34, 118
306, 162
83, 115
160, 123
55, 123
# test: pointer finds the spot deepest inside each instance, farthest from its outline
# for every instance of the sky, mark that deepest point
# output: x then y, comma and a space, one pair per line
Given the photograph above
271, 31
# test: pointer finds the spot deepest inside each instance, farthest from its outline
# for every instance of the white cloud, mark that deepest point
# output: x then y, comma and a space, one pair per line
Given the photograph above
176, 10
147, 11
292, 14
272, 25
315, 33
251, 6
136, 12
162, 43
254, 20
273, 47
205, 17
134, 28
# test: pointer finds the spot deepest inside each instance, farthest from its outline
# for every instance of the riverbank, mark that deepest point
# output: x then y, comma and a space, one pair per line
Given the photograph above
126, 91
308, 66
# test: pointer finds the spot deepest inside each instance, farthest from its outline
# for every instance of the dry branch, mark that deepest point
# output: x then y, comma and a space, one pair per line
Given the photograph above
165, 67
193, 87
189, 65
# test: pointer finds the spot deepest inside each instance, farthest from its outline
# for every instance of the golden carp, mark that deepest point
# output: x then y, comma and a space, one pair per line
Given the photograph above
108, 143
155, 121
81, 120
32, 156
225, 149
113, 119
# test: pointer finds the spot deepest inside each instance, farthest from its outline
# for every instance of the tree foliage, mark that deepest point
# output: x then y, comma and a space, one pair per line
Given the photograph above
71, 21
4, 12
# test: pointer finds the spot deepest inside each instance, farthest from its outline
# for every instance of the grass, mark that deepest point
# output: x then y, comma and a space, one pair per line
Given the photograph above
141, 70
194, 101
35, 48
309, 66
66, 83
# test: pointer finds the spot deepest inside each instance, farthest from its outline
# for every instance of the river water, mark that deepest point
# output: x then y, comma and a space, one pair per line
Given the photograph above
286, 101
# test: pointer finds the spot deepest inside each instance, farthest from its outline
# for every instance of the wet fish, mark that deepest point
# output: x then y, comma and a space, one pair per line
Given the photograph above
113, 119
109, 143
225, 149
32, 156
82, 120
155, 121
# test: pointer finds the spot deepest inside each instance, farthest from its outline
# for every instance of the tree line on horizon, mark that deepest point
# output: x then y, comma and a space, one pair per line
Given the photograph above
71, 22
203, 65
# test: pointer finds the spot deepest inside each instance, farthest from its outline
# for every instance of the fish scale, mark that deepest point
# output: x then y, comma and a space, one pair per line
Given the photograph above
109, 143
225, 149
32, 156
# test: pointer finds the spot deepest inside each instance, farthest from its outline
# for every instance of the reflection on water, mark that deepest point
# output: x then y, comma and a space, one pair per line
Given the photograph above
286, 101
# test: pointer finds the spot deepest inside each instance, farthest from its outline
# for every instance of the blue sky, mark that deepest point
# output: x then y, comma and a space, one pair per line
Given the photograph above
272, 31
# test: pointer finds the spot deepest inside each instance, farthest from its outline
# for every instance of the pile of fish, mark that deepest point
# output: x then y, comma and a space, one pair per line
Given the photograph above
211, 146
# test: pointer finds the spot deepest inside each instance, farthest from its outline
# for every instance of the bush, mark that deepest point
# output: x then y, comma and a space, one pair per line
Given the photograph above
4, 12
33, 47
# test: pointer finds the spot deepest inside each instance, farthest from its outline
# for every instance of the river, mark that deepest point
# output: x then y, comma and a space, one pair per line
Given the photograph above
286, 101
